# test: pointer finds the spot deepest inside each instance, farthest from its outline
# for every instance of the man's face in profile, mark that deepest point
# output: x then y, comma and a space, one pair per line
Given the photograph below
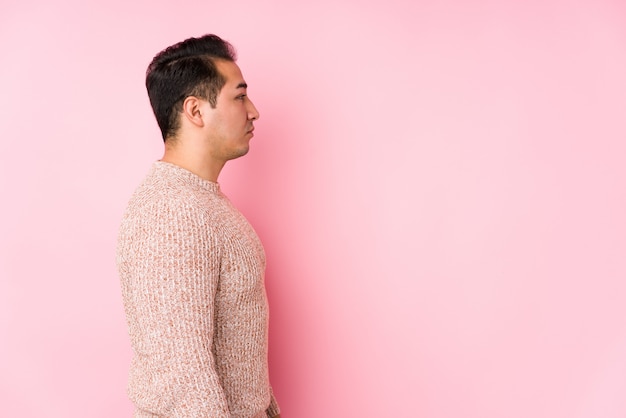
230, 123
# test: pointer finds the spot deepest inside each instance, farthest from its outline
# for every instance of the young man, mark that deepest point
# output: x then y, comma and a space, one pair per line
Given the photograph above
191, 266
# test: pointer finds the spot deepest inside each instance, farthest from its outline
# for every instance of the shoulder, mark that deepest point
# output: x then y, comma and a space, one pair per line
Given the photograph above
166, 202
170, 188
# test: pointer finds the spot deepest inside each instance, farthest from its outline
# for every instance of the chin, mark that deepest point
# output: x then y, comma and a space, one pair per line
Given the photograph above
240, 153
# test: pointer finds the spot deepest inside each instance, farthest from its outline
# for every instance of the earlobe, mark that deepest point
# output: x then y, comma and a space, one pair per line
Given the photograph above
191, 111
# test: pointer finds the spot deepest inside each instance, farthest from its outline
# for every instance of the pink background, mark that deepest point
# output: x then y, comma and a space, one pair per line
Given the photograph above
439, 186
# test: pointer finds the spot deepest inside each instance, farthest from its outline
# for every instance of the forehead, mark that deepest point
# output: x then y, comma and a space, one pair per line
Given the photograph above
230, 71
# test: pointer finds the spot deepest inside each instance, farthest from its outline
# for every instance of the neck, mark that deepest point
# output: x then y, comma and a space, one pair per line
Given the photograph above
194, 161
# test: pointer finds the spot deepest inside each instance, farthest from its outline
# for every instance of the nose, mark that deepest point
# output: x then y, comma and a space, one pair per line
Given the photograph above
253, 114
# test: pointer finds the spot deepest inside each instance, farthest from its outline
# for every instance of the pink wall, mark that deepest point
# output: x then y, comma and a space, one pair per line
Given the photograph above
439, 186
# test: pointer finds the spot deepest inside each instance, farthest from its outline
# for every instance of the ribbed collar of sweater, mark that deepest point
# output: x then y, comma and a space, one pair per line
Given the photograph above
185, 175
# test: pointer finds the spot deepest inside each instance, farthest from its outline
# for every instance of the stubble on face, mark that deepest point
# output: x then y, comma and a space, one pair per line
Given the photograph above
231, 122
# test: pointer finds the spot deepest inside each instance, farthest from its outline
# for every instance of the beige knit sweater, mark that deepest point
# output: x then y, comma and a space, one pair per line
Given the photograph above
192, 271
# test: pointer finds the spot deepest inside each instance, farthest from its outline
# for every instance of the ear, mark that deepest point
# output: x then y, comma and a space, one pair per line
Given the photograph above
192, 110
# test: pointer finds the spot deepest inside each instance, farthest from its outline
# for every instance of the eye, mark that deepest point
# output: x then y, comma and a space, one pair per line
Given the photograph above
241, 97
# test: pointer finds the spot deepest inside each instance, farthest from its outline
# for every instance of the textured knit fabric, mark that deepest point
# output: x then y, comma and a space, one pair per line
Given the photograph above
192, 275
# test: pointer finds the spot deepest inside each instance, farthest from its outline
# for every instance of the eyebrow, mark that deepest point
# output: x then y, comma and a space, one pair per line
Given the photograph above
242, 85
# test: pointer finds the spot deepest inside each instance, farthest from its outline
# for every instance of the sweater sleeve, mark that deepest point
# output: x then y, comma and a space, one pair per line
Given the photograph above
169, 265
272, 410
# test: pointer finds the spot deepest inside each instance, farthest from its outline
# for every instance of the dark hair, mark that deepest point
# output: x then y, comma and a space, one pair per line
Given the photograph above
182, 70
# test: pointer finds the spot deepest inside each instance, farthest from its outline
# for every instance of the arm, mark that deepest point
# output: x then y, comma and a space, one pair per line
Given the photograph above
273, 411
169, 286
